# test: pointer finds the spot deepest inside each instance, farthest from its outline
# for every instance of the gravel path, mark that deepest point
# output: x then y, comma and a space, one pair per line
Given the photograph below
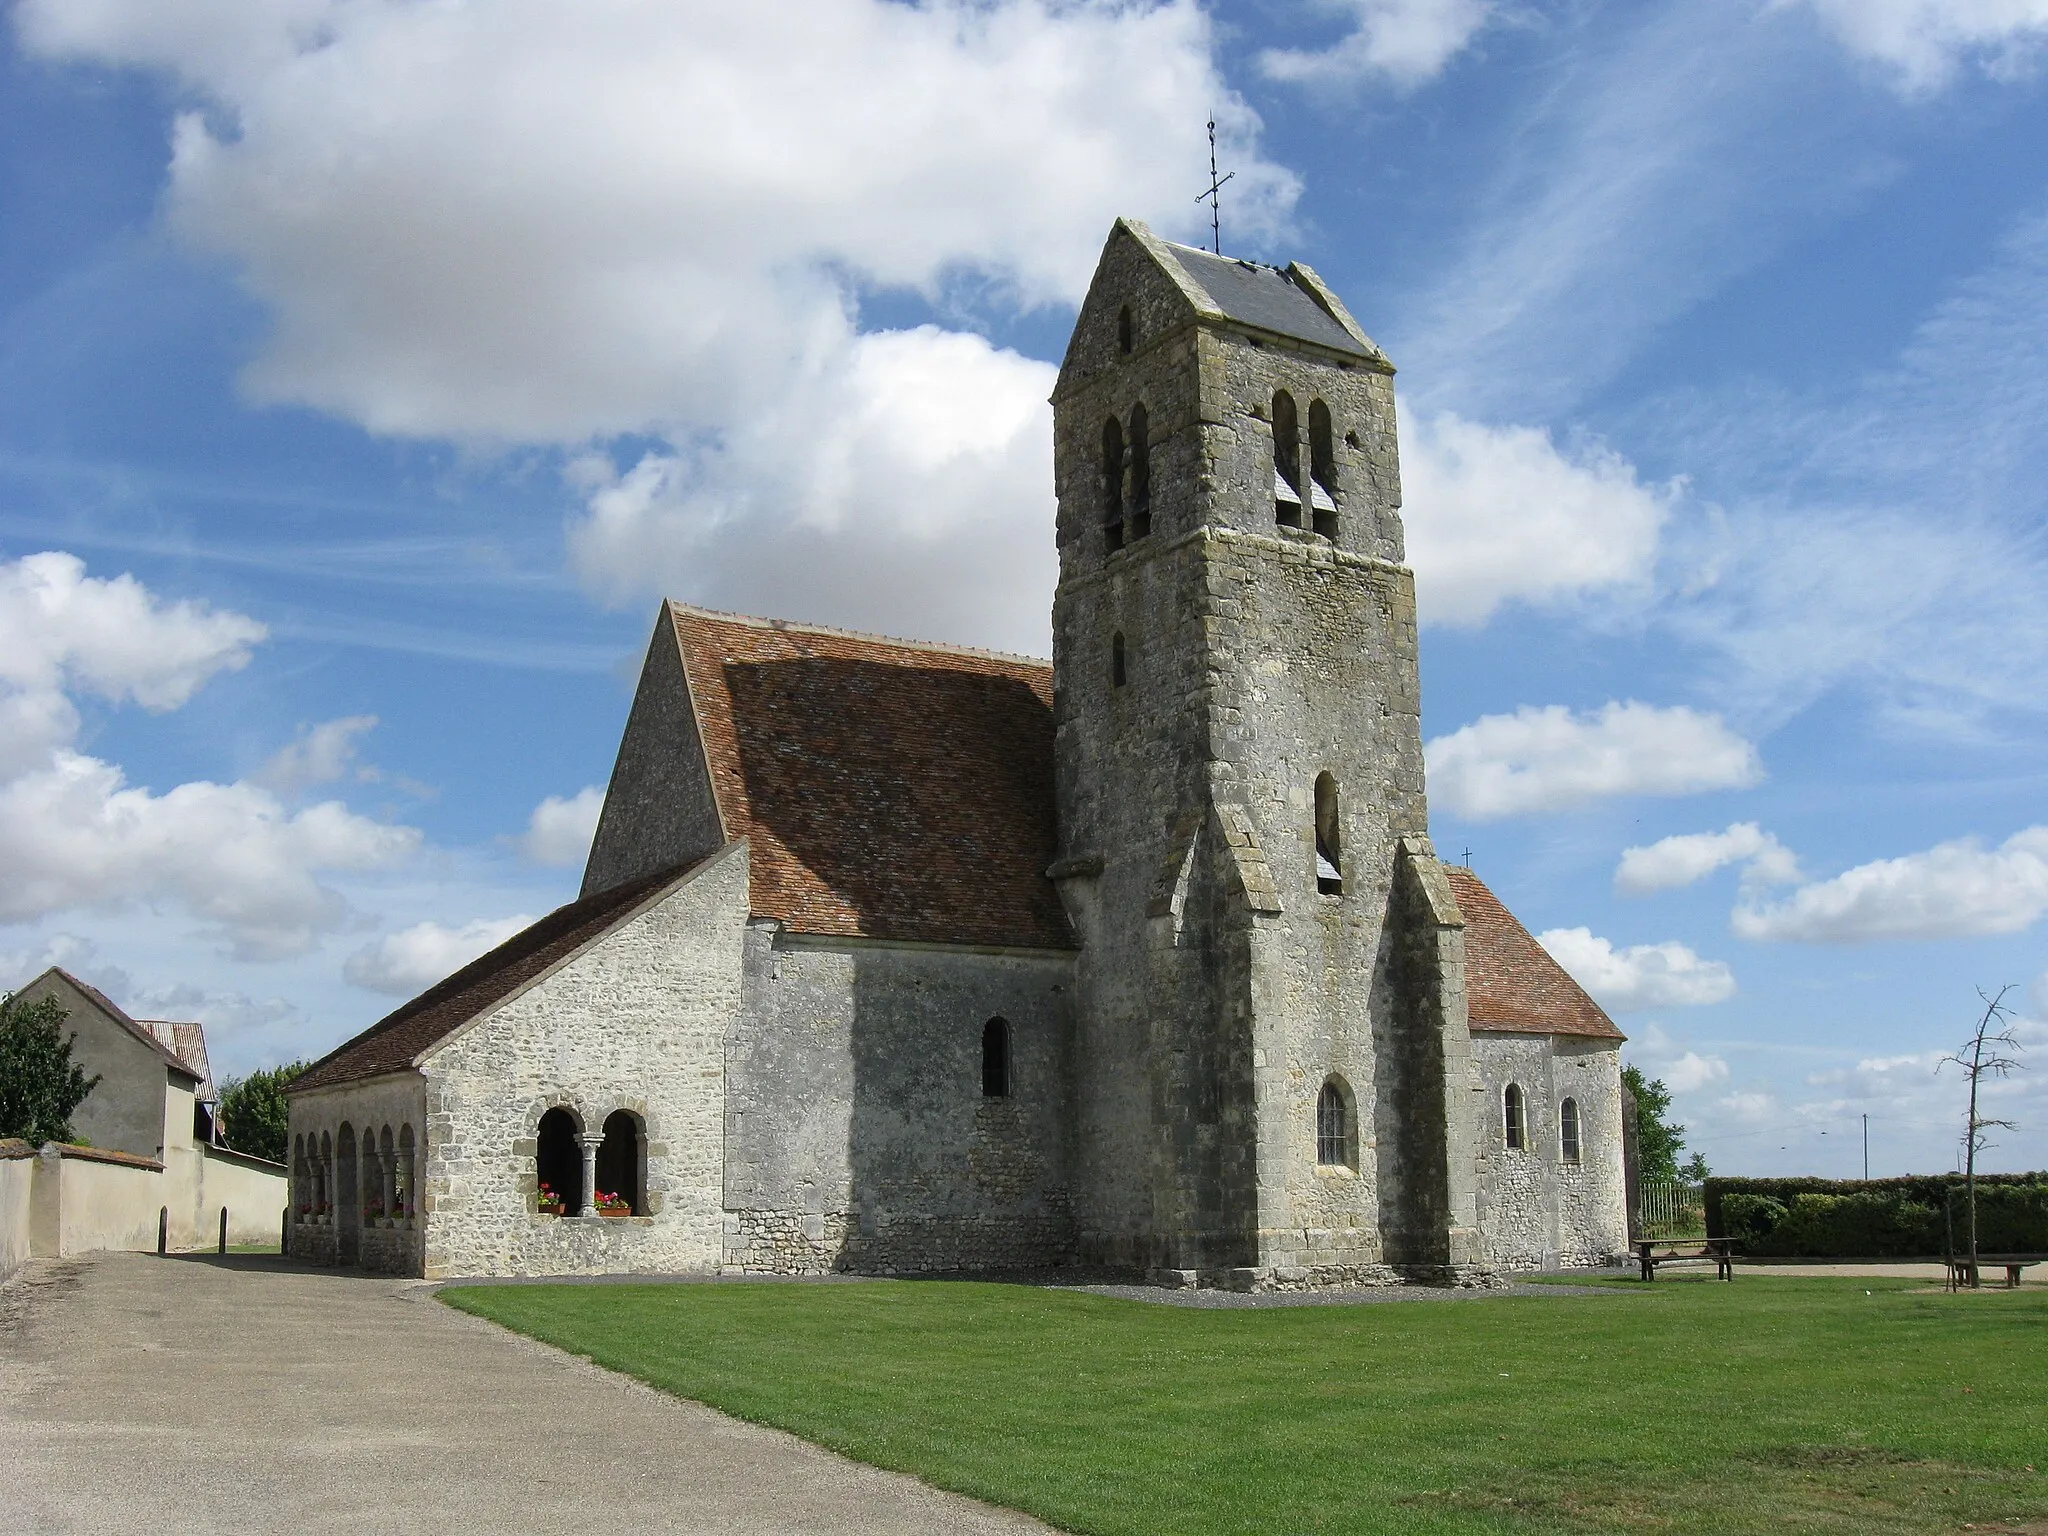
140, 1394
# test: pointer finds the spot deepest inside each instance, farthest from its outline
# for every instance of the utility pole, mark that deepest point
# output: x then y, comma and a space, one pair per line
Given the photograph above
1866, 1149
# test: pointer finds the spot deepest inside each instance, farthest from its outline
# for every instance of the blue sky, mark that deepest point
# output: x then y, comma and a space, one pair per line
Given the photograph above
367, 368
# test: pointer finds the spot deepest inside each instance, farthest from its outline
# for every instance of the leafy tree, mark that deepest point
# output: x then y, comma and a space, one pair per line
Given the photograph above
1695, 1170
39, 1084
255, 1115
1658, 1140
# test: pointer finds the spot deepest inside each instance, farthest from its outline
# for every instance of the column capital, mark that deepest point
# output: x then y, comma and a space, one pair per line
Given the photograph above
590, 1139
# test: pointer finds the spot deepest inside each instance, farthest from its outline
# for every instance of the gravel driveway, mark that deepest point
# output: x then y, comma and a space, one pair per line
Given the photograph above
140, 1394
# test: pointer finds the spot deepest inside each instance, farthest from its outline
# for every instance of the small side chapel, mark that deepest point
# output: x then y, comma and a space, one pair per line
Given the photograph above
897, 957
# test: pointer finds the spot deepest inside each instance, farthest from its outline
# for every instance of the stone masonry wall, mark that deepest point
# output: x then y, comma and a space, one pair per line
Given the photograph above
336, 1230
1258, 657
856, 1132
639, 1021
1536, 1211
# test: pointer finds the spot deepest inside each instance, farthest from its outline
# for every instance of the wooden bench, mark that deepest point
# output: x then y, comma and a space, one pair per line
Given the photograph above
1959, 1267
1650, 1252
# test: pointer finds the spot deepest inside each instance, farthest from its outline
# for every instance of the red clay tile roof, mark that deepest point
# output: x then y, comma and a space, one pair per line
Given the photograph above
888, 789
395, 1041
1512, 986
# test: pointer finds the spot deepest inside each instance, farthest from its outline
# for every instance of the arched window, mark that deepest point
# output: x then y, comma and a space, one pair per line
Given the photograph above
1112, 485
302, 1180
619, 1163
1568, 1129
1336, 1135
1123, 330
387, 1166
323, 1177
1286, 461
1322, 470
995, 1059
558, 1161
1141, 473
1516, 1115
1116, 659
1329, 848
373, 1177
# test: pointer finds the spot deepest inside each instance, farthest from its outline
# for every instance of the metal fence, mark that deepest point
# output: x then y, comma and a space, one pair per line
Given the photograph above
1671, 1208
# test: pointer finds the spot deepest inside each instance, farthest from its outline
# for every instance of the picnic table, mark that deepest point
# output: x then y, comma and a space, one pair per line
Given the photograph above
1650, 1252
1959, 1267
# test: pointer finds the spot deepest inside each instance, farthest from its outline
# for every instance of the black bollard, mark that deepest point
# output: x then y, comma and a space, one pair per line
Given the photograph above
163, 1230
223, 1230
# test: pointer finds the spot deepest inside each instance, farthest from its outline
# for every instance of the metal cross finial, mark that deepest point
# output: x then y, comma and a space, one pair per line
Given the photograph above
1212, 197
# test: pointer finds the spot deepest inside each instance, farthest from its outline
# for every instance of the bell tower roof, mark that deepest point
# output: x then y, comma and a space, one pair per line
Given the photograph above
1169, 287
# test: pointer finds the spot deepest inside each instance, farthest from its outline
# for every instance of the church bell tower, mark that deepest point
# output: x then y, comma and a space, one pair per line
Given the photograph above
1272, 1065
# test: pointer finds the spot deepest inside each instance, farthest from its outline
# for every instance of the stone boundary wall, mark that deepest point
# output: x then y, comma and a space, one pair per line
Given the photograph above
62, 1200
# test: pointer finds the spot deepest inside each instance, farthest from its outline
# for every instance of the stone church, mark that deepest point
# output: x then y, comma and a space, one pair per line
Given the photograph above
901, 957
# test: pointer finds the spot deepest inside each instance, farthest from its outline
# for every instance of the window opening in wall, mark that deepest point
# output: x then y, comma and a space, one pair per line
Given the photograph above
621, 1184
1286, 461
995, 1059
1335, 1146
1329, 851
1322, 470
558, 1161
1140, 519
1112, 485
1116, 659
1568, 1130
407, 1200
1123, 330
1517, 1117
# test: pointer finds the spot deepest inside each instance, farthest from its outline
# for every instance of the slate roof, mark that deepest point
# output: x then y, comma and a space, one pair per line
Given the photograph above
394, 1042
1512, 985
1268, 298
889, 789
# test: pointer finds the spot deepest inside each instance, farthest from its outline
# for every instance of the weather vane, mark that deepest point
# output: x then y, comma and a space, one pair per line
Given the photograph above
1213, 196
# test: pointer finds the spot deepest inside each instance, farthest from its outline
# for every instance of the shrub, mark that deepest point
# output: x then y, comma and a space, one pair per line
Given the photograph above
1883, 1219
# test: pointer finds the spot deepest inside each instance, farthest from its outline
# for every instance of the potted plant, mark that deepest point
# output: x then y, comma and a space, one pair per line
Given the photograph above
550, 1202
613, 1205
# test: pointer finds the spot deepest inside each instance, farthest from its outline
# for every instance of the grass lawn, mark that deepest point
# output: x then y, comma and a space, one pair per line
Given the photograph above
1765, 1405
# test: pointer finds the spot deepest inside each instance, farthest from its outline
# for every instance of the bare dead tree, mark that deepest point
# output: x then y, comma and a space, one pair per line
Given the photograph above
1987, 1053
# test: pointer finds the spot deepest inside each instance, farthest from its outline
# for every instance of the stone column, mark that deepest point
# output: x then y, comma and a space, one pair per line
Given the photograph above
391, 1207
591, 1141
405, 1179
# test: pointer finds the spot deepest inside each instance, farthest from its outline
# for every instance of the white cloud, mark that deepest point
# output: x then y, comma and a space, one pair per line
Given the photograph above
1749, 1108
1956, 889
319, 755
68, 951
75, 833
528, 223
1500, 514
410, 961
923, 478
1925, 42
1403, 41
1672, 862
1693, 1071
1548, 758
1667, 975
559, 831
64, 632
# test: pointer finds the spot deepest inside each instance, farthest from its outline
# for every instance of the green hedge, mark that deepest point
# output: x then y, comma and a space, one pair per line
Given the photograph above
1878, 1219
